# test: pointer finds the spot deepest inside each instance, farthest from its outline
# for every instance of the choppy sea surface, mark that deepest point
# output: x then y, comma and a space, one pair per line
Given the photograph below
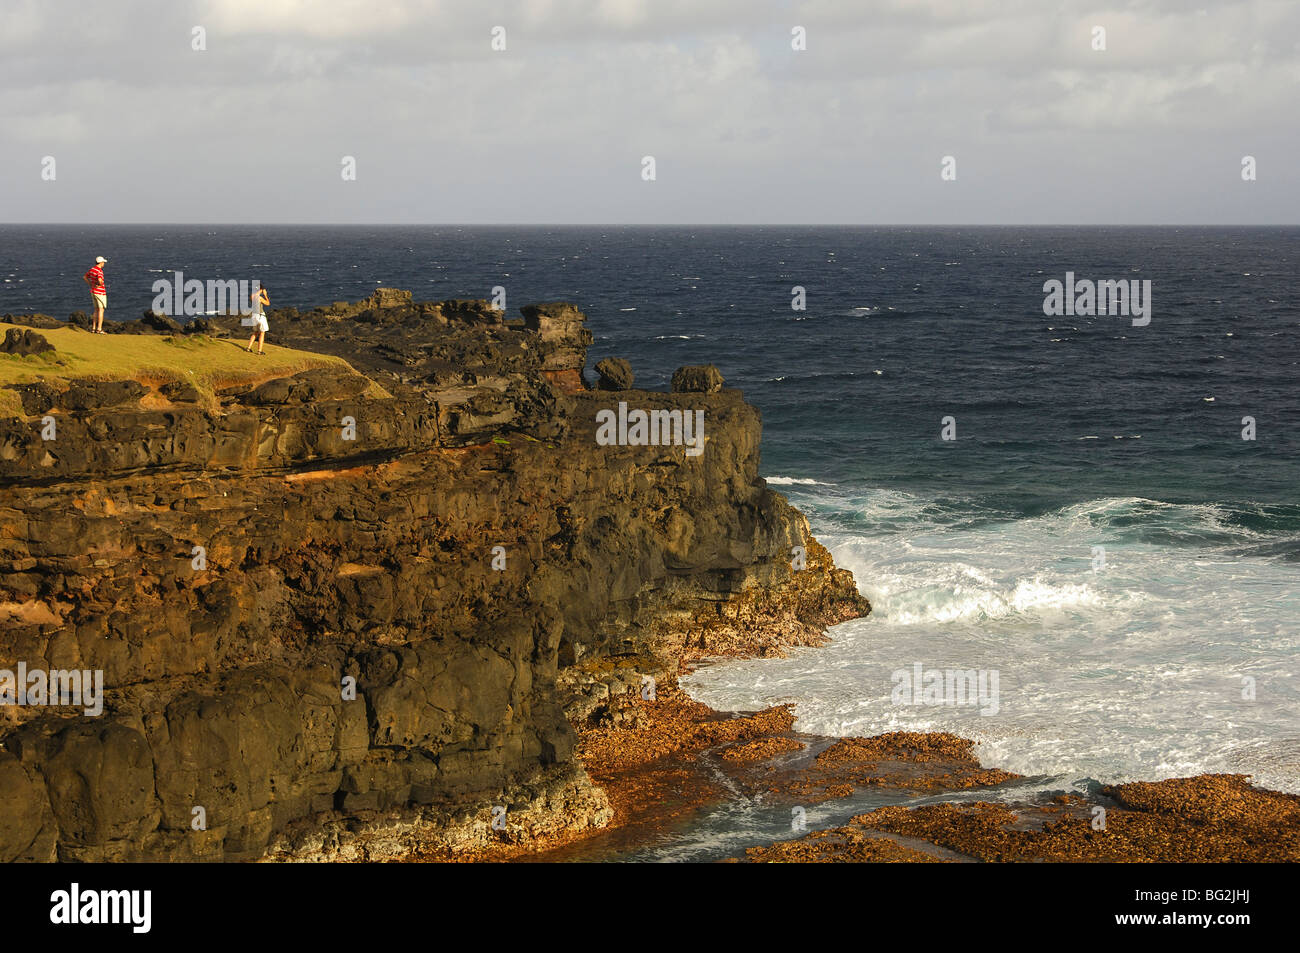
1098, 534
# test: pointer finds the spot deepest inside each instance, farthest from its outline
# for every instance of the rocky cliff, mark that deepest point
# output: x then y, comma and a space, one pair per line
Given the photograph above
351, 614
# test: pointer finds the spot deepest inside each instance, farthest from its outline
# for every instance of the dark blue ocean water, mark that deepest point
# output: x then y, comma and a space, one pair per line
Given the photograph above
903, 327
1074, 434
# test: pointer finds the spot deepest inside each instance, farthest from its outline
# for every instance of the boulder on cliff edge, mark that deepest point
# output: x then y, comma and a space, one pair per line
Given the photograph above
160, 322
390, 298
25, 341
697, 379
615, 374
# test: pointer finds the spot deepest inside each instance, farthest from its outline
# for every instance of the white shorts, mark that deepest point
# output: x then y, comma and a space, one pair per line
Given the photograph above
100, 300
259, 323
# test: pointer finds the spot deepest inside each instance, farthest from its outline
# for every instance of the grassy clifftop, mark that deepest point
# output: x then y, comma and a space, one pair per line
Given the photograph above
205, 362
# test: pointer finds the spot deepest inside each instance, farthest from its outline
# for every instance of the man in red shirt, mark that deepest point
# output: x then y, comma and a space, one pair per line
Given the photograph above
98, 292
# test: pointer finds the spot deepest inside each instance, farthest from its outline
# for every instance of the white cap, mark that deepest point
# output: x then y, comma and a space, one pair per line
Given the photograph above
101, 260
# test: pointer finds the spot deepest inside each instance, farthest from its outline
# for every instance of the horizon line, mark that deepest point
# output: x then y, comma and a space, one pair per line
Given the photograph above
657, 224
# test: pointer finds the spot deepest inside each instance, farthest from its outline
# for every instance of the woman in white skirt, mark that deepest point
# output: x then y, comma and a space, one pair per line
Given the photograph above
260, 327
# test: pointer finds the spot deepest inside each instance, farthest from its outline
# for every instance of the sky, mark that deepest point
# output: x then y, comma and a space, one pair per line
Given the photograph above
254, 111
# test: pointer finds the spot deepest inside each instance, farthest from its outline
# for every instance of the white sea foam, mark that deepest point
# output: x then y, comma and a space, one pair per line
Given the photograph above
1135, 671
791, 481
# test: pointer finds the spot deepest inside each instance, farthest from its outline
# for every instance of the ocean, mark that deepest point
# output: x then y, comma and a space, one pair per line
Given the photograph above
1098, 534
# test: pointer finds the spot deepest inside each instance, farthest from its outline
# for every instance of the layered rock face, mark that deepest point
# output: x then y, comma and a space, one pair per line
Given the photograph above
350, 615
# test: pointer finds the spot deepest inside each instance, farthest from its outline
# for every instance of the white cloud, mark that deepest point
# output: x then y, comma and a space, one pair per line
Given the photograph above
557, 124
316, 19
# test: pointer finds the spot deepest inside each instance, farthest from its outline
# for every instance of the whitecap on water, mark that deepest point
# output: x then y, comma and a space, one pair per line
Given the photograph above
792, 481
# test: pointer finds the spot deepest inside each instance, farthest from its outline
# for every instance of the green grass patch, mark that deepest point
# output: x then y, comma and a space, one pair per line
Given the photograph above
210, 364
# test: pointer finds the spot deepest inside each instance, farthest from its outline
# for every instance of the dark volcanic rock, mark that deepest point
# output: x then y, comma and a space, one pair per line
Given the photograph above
343, 615
160, 322
43, 321
129, 327
27, 828
473, 312
615, 374
182, 391
390, 298
24, 342
697, 379
37, 397
315, 385
93, 395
